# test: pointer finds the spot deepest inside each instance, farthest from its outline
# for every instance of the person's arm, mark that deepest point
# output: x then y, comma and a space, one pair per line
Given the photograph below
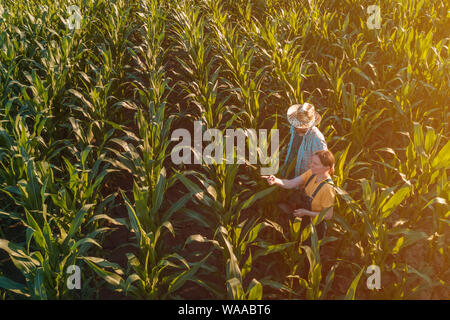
285, 183
326, 198
313, 214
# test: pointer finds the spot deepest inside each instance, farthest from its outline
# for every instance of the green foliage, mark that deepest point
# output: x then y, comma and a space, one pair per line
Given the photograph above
86, 117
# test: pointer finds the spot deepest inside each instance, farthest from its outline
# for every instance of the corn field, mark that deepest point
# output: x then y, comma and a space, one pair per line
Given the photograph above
88, 107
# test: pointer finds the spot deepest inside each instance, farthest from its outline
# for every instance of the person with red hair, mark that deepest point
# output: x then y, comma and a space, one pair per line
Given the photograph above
316, 191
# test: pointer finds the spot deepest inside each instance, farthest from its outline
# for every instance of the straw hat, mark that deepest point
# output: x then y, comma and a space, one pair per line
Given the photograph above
303, 116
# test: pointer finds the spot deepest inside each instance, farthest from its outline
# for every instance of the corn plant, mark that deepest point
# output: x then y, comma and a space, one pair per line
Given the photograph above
290, 67
344, 166
375, 240
149, 218
424, 161
148, 76
155, 273
294, 250
377, 207
115, 27
82, 188
232, 236
236, 244
312, 284
44, 259
217, 194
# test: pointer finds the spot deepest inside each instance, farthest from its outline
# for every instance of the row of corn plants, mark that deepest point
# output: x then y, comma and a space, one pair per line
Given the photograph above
233, 238
50, 185
154, 269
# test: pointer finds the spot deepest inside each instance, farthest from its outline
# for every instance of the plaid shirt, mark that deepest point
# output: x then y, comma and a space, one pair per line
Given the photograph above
311, 142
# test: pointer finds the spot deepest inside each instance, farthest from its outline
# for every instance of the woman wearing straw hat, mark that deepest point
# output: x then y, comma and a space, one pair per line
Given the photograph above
305, 140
